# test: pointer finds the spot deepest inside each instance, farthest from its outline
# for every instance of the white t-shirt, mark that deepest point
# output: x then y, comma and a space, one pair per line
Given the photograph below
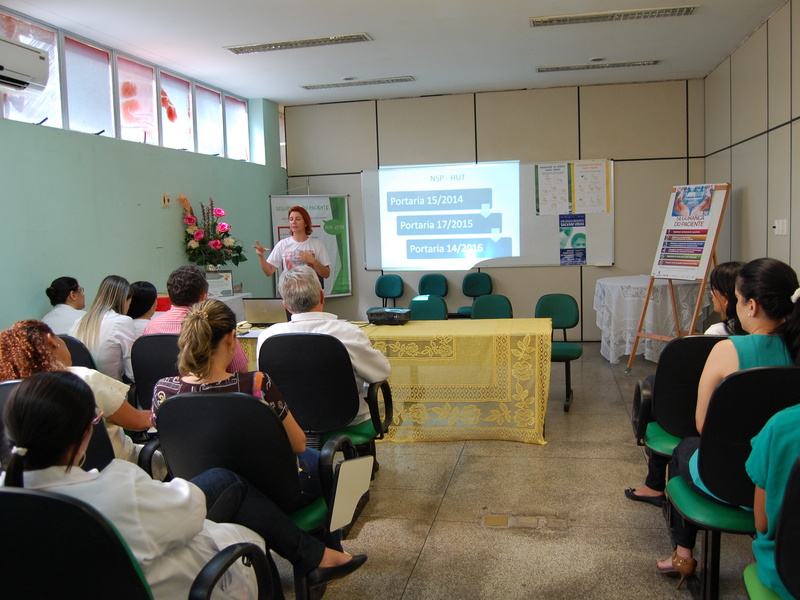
163, 524
286, 253
112, 353
717, 329
62, 318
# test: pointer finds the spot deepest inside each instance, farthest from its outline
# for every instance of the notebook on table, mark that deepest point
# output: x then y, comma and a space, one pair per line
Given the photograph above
263, 312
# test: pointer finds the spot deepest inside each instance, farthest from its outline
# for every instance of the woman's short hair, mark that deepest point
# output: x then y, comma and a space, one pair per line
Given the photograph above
300, 289
306, 217
202, 330
143, 296
24, 350
46, 415
61, 288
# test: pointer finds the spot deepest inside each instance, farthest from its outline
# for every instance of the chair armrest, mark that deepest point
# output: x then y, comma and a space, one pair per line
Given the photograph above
145, 460
381, 425
253, 557
327, 455
641, 412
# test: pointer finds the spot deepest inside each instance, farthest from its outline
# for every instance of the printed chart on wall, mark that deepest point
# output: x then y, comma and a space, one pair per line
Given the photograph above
571, 190
330, 225
690, 229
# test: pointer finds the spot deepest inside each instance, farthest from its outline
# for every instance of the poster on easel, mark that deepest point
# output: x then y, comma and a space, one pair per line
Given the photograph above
690, 230
329, 224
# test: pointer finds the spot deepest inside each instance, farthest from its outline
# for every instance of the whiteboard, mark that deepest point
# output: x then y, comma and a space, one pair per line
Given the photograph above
542, 236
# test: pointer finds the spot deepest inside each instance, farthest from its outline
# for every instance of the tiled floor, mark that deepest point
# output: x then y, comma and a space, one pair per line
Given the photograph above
435, 525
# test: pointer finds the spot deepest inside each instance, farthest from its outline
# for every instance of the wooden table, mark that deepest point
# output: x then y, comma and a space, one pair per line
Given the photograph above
465, 379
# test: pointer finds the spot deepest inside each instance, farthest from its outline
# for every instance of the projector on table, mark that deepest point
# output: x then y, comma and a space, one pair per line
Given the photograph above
389, 316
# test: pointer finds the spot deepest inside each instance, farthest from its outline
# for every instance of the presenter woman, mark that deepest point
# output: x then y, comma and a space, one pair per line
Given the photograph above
297, 250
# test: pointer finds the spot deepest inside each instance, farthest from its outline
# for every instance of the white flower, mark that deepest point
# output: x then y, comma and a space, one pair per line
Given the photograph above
229, 242
191, 229
192, 244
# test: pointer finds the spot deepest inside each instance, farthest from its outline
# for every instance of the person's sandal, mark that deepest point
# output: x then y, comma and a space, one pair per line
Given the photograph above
681, 566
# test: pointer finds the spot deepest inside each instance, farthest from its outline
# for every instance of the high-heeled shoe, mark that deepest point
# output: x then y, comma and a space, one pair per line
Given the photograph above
323, 575
682, 567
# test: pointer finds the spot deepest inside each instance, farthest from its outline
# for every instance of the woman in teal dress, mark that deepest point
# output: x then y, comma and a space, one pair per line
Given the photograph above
767, 293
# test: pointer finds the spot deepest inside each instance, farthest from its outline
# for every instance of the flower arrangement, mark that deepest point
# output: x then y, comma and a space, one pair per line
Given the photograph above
208, 241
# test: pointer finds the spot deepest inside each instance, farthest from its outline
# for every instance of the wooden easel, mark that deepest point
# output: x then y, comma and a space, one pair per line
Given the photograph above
708, 248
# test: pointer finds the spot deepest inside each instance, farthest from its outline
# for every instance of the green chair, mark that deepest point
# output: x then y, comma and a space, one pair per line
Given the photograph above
389, 287
472, 286
492, 306
663, 410
428, 308
433, 283
61, 547
740, 406
562, 309
787, 545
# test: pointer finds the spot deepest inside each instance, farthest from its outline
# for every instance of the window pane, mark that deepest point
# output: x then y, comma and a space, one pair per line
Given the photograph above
237, 133
44, 107
88, 88
176, 113
137, 101
209, 120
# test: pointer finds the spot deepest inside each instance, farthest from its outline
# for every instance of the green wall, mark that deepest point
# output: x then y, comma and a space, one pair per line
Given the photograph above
88, 206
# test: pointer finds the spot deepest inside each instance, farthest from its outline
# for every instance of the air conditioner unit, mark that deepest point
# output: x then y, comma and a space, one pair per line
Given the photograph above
22, 67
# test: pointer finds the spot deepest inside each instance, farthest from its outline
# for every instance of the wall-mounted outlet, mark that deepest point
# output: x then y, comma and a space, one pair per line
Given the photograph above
166, 201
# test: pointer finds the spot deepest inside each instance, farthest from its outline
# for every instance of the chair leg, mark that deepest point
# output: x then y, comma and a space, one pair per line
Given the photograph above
568, 379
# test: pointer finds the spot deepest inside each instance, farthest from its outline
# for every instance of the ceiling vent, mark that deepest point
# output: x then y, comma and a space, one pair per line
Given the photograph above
589, 66
346, 84
611, 16
309, 43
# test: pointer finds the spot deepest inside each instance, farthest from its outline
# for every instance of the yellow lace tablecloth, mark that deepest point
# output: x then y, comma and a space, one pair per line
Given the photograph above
463, 379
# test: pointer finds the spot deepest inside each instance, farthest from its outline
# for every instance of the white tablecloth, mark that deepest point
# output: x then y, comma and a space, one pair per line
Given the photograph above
619, 302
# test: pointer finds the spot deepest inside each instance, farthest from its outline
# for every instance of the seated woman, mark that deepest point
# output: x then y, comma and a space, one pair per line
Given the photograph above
143, 304
68, 300
167, 526
722, 283
775, 449
207, 343
106, 330
30, 347
767, 292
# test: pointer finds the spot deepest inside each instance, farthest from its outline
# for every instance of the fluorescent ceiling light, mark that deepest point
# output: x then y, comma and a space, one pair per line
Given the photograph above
308, 43
589, 66
346, 84
616, 15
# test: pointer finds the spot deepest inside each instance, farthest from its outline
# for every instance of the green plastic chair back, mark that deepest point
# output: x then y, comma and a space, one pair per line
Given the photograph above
389, 287
561, 308
433, 283
474, 285
492, 306
428, 308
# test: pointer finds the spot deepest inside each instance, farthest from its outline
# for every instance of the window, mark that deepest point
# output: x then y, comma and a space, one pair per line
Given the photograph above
137, 100
208, 104
88, 88
176, 113
237, 135
43, 108
193, 116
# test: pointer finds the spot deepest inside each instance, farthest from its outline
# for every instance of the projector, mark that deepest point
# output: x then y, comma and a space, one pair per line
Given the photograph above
389, 316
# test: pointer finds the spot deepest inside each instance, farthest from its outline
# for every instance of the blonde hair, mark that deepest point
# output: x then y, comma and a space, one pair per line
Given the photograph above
202, 330
111, 295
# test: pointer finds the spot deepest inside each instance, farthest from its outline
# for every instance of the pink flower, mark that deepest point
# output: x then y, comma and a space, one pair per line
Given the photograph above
223, 227
218, 212
215, 244
199, 235
190, 220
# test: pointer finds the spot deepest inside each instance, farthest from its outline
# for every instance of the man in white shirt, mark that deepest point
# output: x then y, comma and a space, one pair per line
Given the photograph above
303, 297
